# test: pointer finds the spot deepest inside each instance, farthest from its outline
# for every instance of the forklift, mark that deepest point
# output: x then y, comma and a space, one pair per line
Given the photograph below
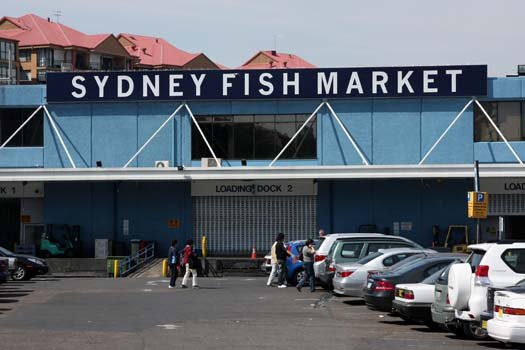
456, 240
60, 241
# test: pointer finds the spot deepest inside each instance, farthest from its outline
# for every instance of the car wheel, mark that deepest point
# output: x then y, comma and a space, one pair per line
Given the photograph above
458, 331
20, 274
297, 276
470, 329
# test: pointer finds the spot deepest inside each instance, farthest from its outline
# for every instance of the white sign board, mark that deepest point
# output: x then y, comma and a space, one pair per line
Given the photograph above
21, 189
254, 188
503, 185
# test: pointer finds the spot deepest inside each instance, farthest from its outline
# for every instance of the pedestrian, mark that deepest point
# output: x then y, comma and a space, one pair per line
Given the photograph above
173, 263
273, 263
321, 233
190, 263
281, 253
308, 264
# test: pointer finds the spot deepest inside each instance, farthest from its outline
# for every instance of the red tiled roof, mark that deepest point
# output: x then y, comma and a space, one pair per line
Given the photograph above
157, 52
278, 60
37, 31
7, 36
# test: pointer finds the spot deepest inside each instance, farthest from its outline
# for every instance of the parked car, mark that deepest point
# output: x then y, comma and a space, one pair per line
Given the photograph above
27, 266
413, 300
508, 324
494, 265
380, 287
352, 248
442, 312
350, 278
295, 269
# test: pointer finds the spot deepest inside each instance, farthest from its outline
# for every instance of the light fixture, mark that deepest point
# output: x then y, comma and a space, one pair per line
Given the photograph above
180, 167
244, 162
99, 164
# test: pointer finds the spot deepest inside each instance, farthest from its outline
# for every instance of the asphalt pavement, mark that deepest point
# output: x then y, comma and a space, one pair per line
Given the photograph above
225, 313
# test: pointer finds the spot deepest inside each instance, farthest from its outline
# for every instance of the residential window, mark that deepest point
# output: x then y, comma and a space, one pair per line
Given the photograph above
31, 135
255, 137
25, 55
507, 116
7, 51
7, 77
45, 57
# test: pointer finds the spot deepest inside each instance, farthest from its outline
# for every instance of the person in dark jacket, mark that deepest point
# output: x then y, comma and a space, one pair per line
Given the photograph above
282, 254
173, 263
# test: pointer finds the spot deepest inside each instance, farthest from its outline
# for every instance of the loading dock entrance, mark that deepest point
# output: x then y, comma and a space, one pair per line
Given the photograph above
236, 215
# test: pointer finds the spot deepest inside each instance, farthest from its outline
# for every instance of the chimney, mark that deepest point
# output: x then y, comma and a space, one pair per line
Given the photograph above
49, 19
285, 64
157, 40
274, 53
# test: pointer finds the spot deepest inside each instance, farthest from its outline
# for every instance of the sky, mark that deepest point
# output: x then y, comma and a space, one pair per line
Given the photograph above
329, 33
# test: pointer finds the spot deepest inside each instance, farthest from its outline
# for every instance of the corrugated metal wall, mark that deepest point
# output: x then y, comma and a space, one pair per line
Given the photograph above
234, 224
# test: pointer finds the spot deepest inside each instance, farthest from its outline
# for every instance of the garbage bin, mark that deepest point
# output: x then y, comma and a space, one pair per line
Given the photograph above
135, 246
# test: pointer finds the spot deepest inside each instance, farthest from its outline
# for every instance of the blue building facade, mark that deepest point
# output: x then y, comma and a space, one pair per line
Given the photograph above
393, 134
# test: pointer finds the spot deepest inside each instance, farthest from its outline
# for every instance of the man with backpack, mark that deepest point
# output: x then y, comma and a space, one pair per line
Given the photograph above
173, 263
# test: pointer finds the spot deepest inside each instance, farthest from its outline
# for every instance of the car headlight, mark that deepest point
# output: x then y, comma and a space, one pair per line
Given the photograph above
35, 261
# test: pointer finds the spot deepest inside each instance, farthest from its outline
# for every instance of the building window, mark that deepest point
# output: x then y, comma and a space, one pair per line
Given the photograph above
7, 51
255, 137
31, 135
7, 77
45, 57
506, 115
25, 55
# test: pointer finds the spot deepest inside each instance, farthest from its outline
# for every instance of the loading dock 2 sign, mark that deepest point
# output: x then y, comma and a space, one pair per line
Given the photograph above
254, 188
478, 204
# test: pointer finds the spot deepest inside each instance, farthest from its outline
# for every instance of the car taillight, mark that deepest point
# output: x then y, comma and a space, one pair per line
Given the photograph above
289, 248
448, 301
331, 268
384, 285
482, 271
319, 257
405, 294
372, 272
345, 273
509, 310
482, 276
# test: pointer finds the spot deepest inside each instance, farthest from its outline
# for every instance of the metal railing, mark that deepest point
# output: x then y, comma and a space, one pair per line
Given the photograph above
134, 262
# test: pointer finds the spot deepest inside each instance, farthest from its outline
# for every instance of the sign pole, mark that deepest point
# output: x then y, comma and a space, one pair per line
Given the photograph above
476, 188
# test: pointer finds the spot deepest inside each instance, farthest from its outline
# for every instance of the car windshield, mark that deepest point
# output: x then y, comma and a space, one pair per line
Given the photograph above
4, 251
318, 242
369, 258
475, 258
435, 276
403, 268
405, 261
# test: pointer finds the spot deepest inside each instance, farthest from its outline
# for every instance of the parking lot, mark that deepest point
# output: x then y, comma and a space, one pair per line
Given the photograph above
233, 312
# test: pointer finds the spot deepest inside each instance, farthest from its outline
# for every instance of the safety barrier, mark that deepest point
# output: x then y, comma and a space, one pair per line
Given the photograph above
129, 264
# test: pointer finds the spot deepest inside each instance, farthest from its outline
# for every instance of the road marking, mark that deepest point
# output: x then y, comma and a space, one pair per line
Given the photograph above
147, 290
168, 327
306, 299
250, 279
154, 283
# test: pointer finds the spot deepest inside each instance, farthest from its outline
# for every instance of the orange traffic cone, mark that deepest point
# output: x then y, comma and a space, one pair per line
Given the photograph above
254, 254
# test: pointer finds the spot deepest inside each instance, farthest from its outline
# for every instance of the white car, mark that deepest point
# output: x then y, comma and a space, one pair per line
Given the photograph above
508, 324
356, 246
413, 300
350, 278
490, 264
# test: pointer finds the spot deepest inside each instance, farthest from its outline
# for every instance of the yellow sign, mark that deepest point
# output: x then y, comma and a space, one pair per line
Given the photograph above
478, 205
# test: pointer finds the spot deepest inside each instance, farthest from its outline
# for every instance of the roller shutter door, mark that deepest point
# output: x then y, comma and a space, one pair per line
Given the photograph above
506, 204
234, 224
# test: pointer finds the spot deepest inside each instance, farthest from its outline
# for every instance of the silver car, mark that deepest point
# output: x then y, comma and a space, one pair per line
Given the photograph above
350, 278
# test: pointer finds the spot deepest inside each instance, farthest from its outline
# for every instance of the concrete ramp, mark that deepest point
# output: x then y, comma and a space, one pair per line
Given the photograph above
153, 269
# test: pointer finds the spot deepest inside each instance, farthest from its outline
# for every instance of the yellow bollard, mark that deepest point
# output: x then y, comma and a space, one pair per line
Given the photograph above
115, 268
204, 245
164, 267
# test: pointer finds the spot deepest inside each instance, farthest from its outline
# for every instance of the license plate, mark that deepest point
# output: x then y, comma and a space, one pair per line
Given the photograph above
484, 324
500, 312
369, 285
